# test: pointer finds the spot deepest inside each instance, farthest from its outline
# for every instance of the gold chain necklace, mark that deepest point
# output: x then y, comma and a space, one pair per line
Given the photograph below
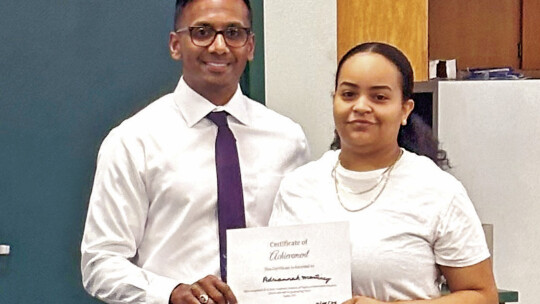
383, 178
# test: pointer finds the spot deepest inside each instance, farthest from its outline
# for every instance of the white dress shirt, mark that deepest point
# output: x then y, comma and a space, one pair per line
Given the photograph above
152, 216
422, 218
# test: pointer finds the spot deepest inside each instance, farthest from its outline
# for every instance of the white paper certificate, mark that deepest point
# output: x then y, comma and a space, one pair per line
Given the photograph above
303, 264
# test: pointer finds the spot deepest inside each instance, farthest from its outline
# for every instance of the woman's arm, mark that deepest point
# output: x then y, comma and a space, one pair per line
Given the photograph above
472, 285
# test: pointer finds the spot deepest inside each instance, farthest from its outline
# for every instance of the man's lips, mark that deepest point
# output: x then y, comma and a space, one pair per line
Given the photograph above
216, 66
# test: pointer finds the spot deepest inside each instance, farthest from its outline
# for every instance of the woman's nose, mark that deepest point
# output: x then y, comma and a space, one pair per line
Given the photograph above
362, 105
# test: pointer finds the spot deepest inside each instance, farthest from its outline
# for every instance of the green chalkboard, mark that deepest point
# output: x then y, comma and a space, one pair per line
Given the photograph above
69, 72
253, 78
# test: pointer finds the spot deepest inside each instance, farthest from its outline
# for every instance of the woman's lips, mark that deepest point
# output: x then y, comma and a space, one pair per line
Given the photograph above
361, 122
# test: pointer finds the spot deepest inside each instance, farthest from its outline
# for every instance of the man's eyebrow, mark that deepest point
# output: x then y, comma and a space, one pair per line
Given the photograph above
235, 24
206, 23
202, 23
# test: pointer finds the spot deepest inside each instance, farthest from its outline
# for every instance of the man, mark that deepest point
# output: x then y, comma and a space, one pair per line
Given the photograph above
152, 233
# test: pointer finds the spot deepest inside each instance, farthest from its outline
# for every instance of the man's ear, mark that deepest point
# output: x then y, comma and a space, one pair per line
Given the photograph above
174, 46
251, 47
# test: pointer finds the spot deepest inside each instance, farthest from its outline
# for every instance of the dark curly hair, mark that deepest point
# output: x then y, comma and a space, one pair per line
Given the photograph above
416, 136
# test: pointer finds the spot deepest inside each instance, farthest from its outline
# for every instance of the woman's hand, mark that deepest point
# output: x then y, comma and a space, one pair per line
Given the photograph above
362, 300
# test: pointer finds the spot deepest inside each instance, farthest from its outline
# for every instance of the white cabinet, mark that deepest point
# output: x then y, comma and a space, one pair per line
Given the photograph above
491, 131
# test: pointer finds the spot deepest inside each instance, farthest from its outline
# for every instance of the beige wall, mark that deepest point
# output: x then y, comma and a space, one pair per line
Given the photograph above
300, 62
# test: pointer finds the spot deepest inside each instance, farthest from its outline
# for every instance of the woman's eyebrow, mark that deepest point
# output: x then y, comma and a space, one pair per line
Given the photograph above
381, 87
348, 84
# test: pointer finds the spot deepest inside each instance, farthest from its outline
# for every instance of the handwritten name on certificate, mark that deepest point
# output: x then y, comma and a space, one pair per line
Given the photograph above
302, 264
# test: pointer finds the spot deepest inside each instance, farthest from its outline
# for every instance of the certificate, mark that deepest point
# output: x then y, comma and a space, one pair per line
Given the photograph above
302, 264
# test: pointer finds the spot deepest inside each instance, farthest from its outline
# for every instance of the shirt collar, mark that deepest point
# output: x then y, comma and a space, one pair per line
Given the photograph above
195, 107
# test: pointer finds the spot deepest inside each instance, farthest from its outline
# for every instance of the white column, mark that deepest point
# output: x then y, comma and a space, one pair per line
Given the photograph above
300, 61
491, 131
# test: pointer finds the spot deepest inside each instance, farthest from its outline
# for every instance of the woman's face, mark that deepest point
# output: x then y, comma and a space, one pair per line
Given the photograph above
368, 103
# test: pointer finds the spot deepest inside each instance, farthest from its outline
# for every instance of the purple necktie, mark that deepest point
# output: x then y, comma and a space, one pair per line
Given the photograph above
229, 186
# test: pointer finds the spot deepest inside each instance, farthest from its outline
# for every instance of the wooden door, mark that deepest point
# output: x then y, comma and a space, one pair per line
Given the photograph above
402, 23
531, 35
479, 33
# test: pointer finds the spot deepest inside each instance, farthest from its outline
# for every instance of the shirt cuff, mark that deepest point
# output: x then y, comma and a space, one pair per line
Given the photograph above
160, 289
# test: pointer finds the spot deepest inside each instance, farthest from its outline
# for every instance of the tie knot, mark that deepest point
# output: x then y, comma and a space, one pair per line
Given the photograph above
218, 118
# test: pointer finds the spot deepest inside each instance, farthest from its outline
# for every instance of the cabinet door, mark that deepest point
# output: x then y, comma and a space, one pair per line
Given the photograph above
531, 35
479, 33
401, 23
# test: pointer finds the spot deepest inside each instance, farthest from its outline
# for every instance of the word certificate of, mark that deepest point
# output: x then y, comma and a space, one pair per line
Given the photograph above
307, 264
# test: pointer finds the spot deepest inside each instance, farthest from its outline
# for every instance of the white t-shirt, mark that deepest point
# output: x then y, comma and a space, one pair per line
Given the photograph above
422, 218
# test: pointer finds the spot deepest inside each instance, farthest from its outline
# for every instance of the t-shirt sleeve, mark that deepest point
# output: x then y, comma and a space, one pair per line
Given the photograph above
460, 239
282, 212
294, 202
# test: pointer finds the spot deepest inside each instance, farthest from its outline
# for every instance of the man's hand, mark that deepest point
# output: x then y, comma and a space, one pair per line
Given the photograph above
210, 290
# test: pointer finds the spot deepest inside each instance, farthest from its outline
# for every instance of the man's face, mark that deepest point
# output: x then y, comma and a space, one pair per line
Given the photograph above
215, 68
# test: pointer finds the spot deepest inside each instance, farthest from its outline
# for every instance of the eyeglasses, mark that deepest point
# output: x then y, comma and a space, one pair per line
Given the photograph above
205, 35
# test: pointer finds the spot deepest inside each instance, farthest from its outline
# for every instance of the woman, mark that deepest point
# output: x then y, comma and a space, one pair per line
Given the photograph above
410, 221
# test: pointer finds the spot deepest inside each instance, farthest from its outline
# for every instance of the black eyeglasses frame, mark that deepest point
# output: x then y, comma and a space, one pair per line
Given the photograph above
190, 29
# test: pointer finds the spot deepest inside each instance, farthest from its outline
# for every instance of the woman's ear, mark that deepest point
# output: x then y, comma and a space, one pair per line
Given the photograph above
407, 108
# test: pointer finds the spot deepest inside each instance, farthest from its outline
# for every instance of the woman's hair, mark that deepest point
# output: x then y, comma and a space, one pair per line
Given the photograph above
416, 136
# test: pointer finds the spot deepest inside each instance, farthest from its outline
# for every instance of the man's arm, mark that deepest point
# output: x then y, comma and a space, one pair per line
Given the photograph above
115, 227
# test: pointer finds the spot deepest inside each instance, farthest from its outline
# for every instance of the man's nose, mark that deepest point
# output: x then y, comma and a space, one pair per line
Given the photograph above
219, 45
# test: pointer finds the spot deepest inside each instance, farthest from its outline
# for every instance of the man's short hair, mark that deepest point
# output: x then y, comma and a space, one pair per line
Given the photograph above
180, 4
